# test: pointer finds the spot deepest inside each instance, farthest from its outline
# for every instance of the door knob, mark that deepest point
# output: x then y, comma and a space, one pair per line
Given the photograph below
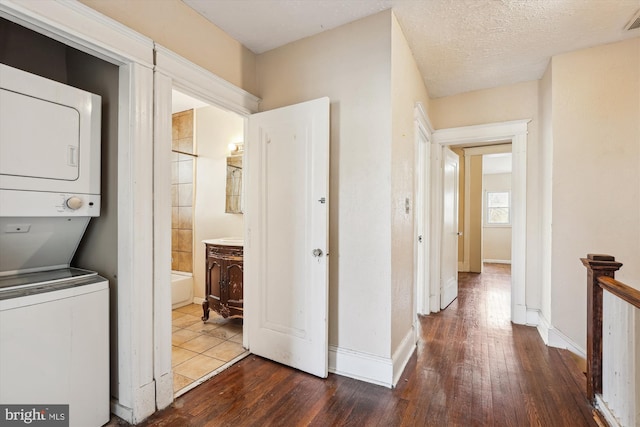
317, 252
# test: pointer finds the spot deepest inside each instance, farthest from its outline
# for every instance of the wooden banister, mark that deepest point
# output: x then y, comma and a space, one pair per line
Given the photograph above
619, 289
598, 266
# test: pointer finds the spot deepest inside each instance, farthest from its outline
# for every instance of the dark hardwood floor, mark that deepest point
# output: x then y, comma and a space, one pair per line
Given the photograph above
472, 368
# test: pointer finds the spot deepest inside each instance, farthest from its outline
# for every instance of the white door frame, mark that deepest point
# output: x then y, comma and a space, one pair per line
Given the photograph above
466, 238
515, 132
423, 130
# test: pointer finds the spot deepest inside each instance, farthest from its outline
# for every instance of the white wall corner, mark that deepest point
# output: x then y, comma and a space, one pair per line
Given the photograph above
361, 366
554, 338
533, 317
403, 353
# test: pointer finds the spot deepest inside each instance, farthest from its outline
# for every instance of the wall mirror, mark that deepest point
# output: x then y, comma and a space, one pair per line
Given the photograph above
234, 185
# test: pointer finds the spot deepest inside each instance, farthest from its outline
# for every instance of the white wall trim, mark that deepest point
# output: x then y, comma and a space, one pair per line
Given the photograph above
533, 317
79, 26
162, 239
373, 369
135, 241
203, 84
554, 338
497, 261
361, 366
402, 354
601, 405
516, 132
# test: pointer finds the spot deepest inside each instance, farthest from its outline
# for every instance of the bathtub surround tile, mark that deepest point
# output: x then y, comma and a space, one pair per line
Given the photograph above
185, 171
198, 366
185, 240
185, 218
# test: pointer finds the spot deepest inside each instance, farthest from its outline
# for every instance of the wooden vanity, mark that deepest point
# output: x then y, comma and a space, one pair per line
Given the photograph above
224, 278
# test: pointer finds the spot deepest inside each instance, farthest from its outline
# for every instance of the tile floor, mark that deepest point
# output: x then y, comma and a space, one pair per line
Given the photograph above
200, 348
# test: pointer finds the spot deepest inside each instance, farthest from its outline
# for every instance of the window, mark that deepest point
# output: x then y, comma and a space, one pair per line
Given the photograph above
498, 208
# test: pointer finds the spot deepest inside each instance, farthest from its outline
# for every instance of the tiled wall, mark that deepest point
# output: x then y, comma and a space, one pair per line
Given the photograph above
182, 192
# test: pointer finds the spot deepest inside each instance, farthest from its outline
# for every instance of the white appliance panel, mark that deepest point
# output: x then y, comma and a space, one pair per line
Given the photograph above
55, 350
46, 150
37, 243
50, 135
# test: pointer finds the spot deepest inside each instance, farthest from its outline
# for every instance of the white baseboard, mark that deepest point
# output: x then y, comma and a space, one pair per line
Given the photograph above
497, 261
554, 338
370, 368
402, 355
164, 390
121, 411
604, 410
533, 317
198, 300
361, 366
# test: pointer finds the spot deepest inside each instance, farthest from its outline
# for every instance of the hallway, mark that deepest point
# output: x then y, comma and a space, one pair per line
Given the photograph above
472, 368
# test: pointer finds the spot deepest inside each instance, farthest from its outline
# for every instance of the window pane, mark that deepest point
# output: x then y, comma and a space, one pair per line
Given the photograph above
498, 215
498, 200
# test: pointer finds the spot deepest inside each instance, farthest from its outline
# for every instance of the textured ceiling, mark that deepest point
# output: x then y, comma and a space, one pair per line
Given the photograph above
459, 45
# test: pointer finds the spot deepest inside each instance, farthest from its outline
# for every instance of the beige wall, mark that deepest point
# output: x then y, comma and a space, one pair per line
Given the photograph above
352, 66
546, 164
496, 240
174, 25
475, 219
512, 102
407, 88
215, 129
596, 172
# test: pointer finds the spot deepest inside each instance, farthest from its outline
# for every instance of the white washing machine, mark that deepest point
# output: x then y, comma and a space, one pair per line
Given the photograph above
54, 342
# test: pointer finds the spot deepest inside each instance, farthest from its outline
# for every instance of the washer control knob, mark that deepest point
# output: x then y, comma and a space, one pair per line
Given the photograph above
74, 203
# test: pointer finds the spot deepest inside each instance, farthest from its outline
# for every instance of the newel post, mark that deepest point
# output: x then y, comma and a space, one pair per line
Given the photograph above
597, 266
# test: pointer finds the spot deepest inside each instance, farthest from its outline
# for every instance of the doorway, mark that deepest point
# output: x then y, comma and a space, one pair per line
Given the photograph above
204, 139
514, 132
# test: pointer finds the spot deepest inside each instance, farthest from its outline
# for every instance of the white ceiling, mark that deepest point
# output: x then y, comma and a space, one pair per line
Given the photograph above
459, 45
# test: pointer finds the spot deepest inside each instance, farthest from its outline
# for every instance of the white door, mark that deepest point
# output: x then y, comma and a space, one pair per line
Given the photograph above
449, 268
286, 274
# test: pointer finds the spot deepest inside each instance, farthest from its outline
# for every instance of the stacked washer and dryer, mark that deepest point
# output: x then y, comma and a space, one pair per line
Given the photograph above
54, 319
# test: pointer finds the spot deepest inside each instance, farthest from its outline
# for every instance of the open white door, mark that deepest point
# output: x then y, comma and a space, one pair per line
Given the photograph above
286, 274
449, 268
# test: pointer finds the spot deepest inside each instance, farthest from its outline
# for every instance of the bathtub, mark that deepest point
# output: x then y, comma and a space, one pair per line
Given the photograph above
181, 289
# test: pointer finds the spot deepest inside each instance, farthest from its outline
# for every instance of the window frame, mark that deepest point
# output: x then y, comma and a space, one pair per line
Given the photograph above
485, 221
